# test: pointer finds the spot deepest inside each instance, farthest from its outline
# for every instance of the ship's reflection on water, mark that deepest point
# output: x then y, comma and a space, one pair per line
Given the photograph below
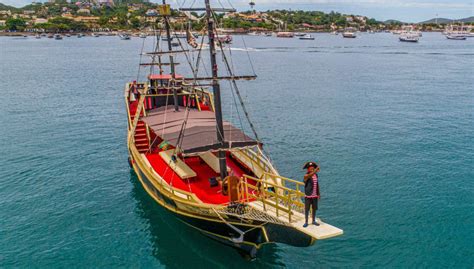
177, 245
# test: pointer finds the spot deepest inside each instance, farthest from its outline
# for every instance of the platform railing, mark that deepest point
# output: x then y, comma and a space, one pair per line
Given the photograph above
280, 198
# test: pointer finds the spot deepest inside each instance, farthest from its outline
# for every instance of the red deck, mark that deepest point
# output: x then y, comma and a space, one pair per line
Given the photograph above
200, 184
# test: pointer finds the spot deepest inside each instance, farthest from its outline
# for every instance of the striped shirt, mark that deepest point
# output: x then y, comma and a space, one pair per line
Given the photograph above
314, 194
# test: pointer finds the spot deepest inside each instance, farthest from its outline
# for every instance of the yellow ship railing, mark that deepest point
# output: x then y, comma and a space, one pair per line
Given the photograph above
283, 198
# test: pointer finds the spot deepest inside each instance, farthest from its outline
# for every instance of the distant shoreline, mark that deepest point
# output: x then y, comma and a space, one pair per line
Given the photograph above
114, 33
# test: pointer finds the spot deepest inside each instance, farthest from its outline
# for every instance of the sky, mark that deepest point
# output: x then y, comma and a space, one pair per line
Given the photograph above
404, 10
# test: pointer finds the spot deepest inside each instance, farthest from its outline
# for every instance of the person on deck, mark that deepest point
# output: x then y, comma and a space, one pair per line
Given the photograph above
311, 191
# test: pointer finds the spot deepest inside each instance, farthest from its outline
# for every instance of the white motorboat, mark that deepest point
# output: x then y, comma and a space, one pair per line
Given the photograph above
349, 33
409, 37
307, 37
456, 37
124, 36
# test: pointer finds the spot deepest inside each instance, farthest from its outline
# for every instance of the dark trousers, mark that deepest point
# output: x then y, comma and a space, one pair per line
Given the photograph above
310, 202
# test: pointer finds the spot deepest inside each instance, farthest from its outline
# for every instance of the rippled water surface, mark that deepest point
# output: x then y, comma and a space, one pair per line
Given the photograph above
391, 124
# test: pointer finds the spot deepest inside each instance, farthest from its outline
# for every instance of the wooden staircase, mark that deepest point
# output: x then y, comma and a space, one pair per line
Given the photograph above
141, 138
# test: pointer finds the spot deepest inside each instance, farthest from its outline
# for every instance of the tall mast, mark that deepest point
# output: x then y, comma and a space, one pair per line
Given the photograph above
217, 91
170, 48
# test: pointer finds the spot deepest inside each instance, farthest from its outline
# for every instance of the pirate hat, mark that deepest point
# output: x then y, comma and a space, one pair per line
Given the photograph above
309, 164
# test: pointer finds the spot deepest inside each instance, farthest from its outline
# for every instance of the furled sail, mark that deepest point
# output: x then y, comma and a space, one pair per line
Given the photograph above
191, 39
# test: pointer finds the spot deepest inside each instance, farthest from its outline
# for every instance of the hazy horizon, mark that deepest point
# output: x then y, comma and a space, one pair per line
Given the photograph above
403, 10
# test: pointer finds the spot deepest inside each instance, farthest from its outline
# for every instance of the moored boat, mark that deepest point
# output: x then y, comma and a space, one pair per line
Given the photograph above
227, 39
206, 171
349, 33
285, 34
58, 37
306, 37
456, 37
409, 37
124, 36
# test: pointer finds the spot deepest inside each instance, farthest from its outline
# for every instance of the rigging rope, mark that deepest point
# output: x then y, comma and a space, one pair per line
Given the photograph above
224, 57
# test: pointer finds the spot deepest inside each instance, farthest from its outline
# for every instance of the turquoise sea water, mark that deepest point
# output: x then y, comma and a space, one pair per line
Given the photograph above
391, 124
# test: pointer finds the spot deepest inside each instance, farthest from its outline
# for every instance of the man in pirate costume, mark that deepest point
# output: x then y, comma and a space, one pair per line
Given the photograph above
311, 191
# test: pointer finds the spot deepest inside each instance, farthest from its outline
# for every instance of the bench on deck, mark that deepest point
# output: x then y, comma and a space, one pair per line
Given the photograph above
244, 159
210, 159
177, 165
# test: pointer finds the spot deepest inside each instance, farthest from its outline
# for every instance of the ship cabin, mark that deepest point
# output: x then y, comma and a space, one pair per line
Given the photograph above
176, 135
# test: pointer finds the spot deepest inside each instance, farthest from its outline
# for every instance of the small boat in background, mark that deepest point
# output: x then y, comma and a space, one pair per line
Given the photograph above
58, 37
80, 35
300, 34
124, 36
307, 37
227, 39
409, 37
37, 36
175, 44
285, 34
349, 33
335, 32
268, 34
456, 37
50, 36
94, 35
68, 35
457, 31
142, 35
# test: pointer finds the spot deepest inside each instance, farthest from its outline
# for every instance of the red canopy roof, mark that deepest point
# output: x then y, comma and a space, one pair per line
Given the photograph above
163, 76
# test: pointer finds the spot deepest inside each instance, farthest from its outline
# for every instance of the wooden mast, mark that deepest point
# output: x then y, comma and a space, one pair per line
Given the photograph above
217, 91
170, 48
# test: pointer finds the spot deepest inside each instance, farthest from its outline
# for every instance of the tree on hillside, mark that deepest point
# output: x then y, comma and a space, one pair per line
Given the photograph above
15, 24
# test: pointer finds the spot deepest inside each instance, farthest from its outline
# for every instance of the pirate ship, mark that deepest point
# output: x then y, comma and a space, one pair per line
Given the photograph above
206, 171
